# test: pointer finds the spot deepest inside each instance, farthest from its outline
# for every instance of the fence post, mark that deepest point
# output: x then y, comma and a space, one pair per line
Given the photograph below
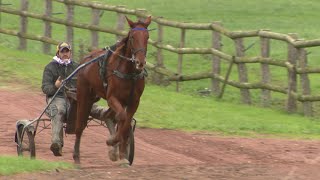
242, 71
95, 18
159, 50
23, 25
216, 62
158, 78
0, 15
265, 71
180, 57
46, 47
81, 50
292, 77
70, 14
120, 23
305, 82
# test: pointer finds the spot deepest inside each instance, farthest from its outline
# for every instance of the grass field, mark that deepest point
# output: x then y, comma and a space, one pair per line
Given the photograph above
13, 165
281, 16
157, 110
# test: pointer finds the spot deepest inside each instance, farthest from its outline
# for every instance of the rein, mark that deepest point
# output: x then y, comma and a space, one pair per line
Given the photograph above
121, 56
133, 76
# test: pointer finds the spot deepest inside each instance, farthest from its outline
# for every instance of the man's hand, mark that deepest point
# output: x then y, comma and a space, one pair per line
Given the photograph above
58, 82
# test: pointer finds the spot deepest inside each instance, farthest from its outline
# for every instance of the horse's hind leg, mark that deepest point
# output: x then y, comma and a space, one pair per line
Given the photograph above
107, 116
100, 113
84, 104
82, 117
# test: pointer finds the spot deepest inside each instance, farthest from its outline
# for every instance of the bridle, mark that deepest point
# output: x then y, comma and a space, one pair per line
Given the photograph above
133, 51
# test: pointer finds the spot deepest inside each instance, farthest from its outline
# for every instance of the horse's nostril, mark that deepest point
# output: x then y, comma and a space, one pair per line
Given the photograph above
139, 65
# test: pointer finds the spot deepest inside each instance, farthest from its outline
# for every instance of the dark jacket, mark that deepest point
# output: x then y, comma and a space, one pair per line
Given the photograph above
51, 73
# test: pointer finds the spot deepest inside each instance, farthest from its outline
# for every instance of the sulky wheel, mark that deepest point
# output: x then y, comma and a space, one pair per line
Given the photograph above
25, 142
130, 147
130, 143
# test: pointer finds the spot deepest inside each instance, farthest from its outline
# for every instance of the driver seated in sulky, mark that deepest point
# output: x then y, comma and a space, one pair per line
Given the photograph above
61, 66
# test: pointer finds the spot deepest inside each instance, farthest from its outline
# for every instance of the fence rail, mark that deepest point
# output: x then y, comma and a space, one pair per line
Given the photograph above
295, 64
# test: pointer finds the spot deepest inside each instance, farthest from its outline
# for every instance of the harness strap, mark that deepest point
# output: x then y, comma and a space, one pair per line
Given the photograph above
132, 76
103, 63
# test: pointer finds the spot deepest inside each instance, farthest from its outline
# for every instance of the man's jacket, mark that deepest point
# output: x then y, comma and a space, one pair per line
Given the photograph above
52, 72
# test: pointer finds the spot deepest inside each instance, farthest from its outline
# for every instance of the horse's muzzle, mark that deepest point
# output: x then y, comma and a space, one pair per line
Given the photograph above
140, 64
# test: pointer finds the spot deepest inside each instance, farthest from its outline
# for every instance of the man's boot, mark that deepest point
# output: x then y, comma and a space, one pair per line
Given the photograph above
57, 136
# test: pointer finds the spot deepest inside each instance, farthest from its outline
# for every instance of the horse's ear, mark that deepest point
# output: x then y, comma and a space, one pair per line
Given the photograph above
147, 21
131, 24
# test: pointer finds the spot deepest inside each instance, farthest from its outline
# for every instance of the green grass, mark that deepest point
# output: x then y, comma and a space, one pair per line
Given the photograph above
13, 165
283, 16
19, 67
162, 108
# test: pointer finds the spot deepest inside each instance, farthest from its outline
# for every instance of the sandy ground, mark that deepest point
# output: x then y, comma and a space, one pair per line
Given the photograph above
161, 154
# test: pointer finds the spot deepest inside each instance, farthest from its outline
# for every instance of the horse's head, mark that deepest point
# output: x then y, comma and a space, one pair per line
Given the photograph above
138, 41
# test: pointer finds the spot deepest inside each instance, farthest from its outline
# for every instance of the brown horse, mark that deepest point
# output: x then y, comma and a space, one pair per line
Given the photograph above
121, 85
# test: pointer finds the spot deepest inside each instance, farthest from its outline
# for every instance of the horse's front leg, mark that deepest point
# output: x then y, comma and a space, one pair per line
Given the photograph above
120, 116
125, 132
126, 128
122, 129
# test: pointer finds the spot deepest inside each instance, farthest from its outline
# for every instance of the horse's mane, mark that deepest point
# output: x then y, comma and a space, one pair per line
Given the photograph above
97, 52
122, 45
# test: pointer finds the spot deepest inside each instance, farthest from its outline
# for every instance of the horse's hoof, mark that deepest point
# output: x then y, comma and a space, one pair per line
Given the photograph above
77, 166
76, 160
113, 153
124, 163
111, 141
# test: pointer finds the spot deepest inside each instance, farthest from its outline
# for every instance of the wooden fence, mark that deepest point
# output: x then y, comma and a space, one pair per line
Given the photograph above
296, 62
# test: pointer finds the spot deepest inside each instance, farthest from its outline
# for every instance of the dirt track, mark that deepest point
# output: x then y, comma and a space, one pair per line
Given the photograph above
162, 154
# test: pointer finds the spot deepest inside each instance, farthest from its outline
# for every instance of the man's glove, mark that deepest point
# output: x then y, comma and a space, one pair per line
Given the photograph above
58, 82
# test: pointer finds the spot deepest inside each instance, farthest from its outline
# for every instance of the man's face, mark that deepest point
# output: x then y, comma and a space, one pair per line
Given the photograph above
64, 54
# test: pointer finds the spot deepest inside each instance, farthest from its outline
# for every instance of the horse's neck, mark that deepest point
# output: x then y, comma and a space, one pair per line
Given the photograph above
126, 49
124, 65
